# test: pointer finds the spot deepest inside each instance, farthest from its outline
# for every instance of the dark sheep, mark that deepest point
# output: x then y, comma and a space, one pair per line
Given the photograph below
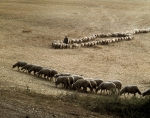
52, 74
62, 74
98, 81
147, 92
44, 71
71, 79
26, 67
35, 68
94, 84
82, 83
77, 77
64, 80
133, 89
19, 64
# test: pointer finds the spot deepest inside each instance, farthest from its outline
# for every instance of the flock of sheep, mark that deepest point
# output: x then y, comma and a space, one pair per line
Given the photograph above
91, 40
80, 83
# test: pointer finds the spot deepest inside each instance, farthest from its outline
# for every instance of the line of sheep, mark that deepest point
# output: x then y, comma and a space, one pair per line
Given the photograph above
90, 41
80, 83
36, 69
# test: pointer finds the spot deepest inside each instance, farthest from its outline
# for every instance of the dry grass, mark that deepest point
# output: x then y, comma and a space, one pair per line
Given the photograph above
50, 20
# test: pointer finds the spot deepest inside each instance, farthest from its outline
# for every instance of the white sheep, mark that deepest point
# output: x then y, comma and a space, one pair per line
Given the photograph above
82, 44
75, 45
117, 83
133, 89
107, 86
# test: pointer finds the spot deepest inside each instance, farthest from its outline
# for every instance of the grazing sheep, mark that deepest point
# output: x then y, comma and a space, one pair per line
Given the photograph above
62, 74
147, 92
64, 80
77, 77
98, 81
80, 40
117, 83
52, 74
82, 44
107, 86
82, 83
57, 45
19, 64
71, 79
130, 89
113, 40
93, 83
26, 67
35, 68
75, 45
72, 41
44, 71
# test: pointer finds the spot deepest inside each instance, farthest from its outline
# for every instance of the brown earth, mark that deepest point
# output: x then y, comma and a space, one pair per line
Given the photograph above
27, 29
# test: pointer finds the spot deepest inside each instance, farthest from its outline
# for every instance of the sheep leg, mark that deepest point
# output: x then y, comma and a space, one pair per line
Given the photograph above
51, 79
34, 72
101, 91
23, 70
124, 95
85, 89
106, 92
134, 94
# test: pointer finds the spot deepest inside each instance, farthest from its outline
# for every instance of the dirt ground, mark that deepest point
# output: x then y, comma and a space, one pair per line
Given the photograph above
27, 29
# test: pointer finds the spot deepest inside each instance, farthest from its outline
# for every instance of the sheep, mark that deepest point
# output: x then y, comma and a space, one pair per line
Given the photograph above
133, 89
35, 68
98, 81
44, 71
113, 40
77, 41
53, 73
71, 80
62, 74
77, 77
26, 67
82, 83
93, 83
57, 45
82, 44
72, 41
147, 92
107, 86
115, 34
64, 80
81, 40
19, 64
75, 45
117, 83
69, 46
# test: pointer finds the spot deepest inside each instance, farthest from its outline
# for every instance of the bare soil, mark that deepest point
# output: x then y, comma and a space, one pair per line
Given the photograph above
27, 29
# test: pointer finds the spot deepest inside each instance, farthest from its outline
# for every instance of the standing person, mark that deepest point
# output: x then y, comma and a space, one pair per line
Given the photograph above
65, 40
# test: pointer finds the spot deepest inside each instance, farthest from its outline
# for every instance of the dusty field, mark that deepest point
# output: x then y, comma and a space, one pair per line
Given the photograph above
48, 20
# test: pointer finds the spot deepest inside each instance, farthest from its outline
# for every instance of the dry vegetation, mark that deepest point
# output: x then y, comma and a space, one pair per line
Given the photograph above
27, 28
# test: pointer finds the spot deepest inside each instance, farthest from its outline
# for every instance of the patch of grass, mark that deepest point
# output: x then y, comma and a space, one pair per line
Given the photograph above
110, 105
125, 108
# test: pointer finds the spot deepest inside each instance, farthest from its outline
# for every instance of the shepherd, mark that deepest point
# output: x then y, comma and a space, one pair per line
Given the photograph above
65, 40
